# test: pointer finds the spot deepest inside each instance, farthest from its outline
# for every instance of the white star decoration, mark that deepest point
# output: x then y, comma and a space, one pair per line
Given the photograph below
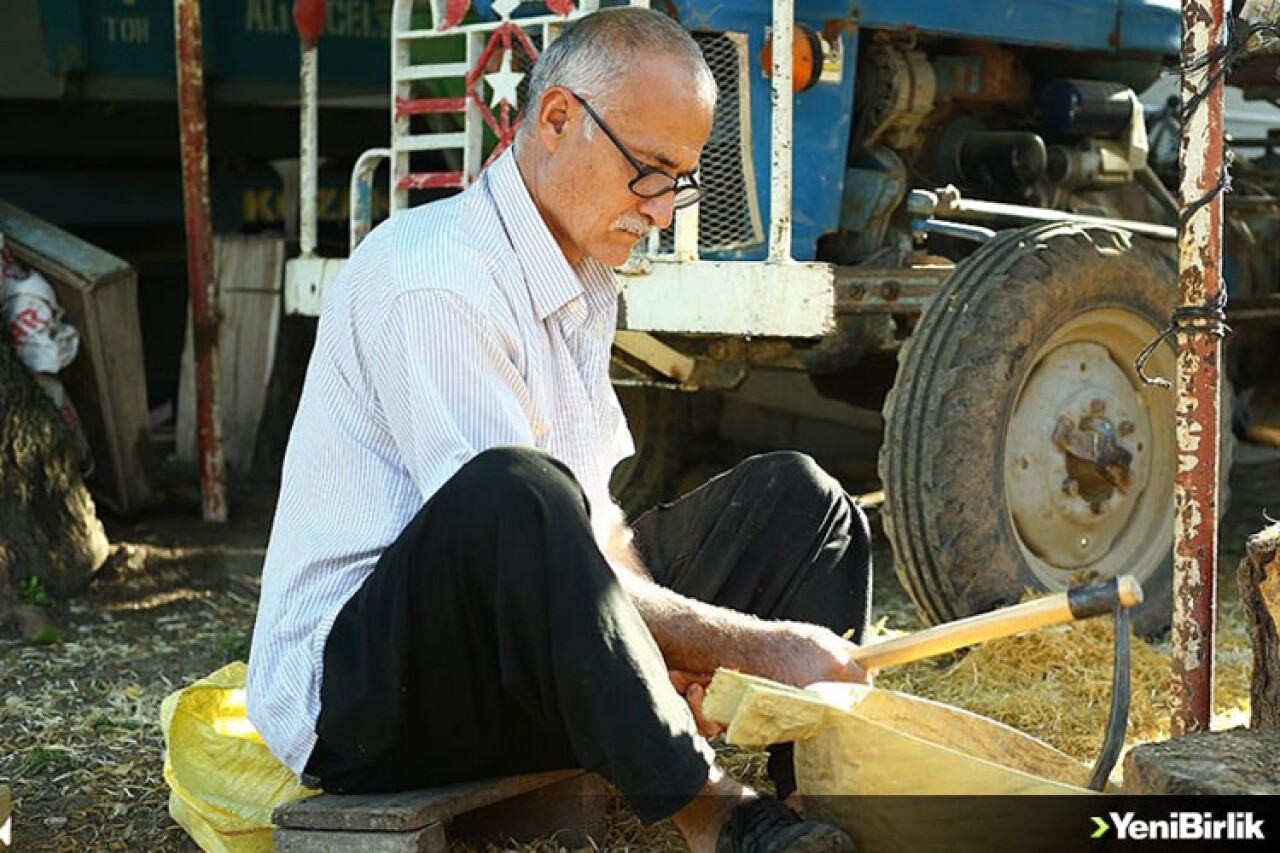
504, 8
504, 82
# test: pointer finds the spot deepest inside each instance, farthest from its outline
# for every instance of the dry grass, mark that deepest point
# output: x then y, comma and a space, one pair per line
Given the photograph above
80, 740
1055, 683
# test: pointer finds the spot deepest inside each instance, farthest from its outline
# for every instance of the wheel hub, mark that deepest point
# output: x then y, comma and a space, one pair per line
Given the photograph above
1078, 451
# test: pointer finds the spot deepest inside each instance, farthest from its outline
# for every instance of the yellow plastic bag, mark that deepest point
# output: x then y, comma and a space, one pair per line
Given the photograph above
223, 781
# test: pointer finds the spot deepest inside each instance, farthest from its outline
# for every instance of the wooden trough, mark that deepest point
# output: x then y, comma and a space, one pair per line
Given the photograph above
864, 756
862, 753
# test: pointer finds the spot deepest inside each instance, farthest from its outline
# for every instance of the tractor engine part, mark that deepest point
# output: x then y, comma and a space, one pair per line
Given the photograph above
984, 73
896, 89
1104, 132
1000, 159
948, 203
1094, 163
1085, 108
959, 230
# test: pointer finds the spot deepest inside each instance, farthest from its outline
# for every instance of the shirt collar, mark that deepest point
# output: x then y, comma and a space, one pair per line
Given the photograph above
551, 280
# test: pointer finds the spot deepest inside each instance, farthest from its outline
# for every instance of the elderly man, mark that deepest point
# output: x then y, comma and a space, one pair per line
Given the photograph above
449, 592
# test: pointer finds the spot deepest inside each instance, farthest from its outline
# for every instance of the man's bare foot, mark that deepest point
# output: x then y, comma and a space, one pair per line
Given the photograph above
701, 820
731, 818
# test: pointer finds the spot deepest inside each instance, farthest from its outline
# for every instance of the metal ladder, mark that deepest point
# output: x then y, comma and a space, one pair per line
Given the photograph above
485, 41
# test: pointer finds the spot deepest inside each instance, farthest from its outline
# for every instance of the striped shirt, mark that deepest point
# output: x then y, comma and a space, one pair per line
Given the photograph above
454, 327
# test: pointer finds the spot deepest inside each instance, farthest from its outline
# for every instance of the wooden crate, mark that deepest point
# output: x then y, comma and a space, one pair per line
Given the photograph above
106, 381
569, 804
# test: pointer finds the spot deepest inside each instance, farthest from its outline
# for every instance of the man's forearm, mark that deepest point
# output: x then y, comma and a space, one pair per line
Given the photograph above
697, 637
694, 636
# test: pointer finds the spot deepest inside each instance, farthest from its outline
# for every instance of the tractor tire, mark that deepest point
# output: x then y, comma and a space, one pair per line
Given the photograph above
661, 427
1034, 334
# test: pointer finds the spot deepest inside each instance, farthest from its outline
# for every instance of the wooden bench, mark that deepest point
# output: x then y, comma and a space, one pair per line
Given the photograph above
569, 804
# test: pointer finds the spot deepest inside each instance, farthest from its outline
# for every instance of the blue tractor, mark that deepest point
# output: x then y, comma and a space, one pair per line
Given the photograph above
948, 213
944, 210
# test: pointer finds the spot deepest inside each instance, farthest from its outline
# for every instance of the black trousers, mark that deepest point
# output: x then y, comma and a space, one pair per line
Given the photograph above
493, 638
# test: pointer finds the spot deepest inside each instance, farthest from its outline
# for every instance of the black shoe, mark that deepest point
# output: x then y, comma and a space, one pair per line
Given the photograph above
765, 825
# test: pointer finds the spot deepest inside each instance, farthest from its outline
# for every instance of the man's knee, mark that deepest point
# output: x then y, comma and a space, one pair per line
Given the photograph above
791, 473
513, 483
501, 507
796, 481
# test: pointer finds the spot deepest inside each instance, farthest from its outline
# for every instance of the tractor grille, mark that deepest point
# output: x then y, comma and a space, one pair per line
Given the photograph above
729, 213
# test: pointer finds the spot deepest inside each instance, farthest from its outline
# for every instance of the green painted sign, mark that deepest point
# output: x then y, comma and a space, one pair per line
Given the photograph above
245, 42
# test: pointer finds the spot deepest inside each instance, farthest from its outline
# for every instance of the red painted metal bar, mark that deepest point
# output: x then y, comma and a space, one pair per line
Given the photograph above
454, 12
308, 19
422, 106
1199, 381
432, 181
501, 42
203, 286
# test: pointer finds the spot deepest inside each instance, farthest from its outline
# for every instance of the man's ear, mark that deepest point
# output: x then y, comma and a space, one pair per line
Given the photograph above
553, 117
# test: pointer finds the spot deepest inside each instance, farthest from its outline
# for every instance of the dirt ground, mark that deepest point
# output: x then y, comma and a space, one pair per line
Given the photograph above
80, 741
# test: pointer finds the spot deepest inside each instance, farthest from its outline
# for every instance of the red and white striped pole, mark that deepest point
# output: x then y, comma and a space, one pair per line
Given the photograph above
1199, 362
308, 17
200, 276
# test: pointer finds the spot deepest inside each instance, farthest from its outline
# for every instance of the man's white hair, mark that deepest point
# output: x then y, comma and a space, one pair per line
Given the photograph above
594, 55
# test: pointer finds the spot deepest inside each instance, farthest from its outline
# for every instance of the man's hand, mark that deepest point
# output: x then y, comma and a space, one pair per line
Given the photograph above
693, 687
800, 654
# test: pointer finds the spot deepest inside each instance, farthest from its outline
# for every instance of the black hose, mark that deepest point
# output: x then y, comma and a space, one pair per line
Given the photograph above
1118, 722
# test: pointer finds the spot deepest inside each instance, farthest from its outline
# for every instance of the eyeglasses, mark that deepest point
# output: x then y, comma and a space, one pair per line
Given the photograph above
649, 182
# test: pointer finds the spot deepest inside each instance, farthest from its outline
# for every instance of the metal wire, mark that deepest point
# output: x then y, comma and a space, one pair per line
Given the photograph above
1209, 318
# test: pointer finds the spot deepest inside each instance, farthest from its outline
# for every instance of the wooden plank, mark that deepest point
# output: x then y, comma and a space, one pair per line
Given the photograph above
428, 839
409, 810
574, 812
250, 271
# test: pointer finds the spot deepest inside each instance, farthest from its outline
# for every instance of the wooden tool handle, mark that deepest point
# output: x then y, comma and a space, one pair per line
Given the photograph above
1080, 603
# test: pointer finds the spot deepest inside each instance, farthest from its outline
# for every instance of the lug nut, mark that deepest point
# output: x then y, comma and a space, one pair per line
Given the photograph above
1097, 406
1070, 487
1126, 428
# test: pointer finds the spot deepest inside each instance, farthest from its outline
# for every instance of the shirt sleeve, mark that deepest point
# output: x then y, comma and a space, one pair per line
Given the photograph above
447, 385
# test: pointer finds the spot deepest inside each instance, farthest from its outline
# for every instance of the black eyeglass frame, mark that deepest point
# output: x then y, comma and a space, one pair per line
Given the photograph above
686, 185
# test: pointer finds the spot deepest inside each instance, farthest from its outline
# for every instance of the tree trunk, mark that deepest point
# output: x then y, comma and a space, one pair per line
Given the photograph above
1260, 593
48, 526
1229, 763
